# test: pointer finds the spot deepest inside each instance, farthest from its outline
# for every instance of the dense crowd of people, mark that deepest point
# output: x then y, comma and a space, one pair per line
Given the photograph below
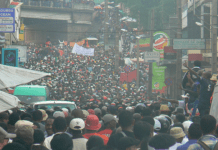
111, 113
100, 127
82, 78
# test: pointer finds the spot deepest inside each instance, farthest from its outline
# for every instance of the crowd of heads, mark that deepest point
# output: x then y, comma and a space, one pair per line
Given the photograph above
92, 129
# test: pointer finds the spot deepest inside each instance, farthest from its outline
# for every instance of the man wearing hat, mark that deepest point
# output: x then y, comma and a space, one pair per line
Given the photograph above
24, 135
44, 115
92, 126
109, 122
76, 127
164, 109
178, 134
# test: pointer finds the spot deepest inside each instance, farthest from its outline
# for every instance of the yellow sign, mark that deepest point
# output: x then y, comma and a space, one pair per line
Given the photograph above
21, 34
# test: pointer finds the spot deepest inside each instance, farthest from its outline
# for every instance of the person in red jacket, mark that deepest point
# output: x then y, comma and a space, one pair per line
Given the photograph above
109, 125
92, 126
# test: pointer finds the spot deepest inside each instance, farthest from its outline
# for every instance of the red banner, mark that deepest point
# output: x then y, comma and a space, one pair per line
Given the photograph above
131, 76
193, 57
169, 49
61, 52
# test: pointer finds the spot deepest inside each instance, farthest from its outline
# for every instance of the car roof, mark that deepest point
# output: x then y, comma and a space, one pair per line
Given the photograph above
53, 102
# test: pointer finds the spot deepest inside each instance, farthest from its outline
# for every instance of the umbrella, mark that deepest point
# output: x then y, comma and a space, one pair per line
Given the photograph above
130, 20
110, 7
128, 61
7, 101
98, 7
94, 99
135, 60
13, 76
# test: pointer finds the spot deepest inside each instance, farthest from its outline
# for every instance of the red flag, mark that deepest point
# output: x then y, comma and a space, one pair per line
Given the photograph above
61, 52
131, 76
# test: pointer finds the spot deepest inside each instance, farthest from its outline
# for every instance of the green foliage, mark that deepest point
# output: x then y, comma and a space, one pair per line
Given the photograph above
142, 8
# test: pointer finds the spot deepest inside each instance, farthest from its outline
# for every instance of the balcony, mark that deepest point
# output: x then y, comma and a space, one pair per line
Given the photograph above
75, 4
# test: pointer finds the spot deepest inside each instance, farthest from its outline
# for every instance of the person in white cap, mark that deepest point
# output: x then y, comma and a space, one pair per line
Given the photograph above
58, 114
76, 127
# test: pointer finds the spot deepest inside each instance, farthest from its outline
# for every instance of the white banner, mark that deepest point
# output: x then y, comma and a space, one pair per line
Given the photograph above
13, 76
83, 51
120, 46
131, 47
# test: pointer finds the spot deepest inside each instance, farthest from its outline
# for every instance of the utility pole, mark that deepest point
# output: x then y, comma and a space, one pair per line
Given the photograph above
137, 81
138, 66
106, 26
214, 37
117, 41
179, 52
151, 50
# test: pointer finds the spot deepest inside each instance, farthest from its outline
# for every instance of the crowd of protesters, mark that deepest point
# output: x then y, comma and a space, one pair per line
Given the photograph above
110, 114
82, 78
101, 127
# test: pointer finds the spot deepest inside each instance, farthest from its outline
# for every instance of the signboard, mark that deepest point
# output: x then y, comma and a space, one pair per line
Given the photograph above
189, 44
22, 52
21, 33
2, 40
194, 57
10, 57
168, 82
184, 13
158, 76
208, 54
161, 39
152, 57
7, 20
169, 53
127, 69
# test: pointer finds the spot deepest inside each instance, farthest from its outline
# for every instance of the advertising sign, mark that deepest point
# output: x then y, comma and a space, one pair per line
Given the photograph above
21, 33
152, 57
7, 20
158, 78
169, 53
10, 57
21, 52
161, 39
189, 44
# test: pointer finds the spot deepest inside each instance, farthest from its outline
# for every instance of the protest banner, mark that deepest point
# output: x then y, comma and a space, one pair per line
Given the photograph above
79, 50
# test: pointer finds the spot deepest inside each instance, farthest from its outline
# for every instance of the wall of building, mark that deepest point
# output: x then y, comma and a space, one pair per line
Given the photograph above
73, 26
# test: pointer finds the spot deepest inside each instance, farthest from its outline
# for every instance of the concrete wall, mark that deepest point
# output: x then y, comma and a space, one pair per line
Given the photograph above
80, 16
37, 30
77, 31
58, 24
